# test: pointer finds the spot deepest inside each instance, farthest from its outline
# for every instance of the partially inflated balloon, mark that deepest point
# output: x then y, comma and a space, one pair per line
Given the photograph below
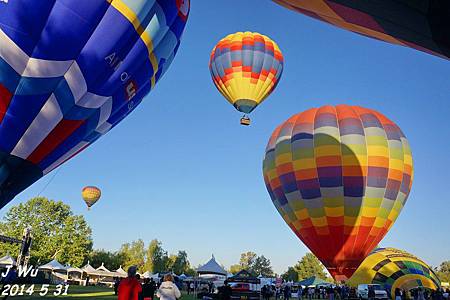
423, 25
393, 268
71, 70
339, 176
91, 195
246, 68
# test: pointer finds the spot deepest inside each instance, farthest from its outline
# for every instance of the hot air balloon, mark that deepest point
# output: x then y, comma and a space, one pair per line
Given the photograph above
339, 177
70, 71
393, 268
246, 67
422, 25
91, 194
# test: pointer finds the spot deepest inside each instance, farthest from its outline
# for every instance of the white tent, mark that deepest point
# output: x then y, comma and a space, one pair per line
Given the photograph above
211, 267
121, 272
7, 261
88, 269
147, 274
54, 265
73, 270
103, 268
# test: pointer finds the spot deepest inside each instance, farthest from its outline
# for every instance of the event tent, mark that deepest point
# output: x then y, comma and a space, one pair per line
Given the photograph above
7, 261
54, 265
121, 272
70, 269
313, 281
88, 269
244, 276
211, 267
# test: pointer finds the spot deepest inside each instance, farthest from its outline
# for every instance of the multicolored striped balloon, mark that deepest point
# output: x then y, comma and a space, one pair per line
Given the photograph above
339, 176
91, 194
393, 268
423, 25
70, 71
246, 67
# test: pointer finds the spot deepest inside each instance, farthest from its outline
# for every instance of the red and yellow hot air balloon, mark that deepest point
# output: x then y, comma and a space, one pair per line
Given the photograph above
246, 67
339, 176
91, 194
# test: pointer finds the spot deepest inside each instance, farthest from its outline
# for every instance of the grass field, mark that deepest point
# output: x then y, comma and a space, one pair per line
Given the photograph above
78, 293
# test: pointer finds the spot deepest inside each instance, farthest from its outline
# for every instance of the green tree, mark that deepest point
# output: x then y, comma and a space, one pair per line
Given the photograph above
309, 266
112, 260
247, 260
181, 263
290, 275
235, 268
134, 254
253, 263
443, 272
261, 266
57, 232
157, 259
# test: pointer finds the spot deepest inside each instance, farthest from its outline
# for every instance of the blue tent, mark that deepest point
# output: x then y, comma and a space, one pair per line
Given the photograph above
313, 280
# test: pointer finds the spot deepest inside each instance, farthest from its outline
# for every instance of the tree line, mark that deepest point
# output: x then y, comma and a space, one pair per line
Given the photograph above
60, 234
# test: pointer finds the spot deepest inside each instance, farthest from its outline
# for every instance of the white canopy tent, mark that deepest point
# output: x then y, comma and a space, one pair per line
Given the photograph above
121, 272
212, 267
54, 271
7, 261
53, 266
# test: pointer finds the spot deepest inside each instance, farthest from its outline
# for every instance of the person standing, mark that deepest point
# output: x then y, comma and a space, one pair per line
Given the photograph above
371, 293
168, 290
398, 294
287, 292
130, 288
148, 289
299, 293
116, 285
310, 293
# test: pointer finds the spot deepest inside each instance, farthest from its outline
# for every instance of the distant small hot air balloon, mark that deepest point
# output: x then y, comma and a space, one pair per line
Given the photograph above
91, 195
339, 176
246, 68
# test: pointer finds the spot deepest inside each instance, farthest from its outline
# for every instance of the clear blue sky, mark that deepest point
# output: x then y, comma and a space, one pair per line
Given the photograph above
181, 169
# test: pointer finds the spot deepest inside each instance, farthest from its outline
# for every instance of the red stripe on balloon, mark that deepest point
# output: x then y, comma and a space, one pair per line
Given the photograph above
58, 135
5, 99
356, 17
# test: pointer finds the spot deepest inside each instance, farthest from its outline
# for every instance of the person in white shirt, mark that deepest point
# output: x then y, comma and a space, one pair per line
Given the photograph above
168, 290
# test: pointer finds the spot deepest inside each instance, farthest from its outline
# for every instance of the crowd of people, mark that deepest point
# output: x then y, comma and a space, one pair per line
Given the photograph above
285, 292
133, 288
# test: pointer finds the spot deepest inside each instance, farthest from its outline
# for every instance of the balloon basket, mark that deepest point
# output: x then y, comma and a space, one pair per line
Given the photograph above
245, 121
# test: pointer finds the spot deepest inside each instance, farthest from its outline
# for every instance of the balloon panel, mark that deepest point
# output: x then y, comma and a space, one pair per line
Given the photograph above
422, 25
393, 268
70, 71
246, 68
339, 177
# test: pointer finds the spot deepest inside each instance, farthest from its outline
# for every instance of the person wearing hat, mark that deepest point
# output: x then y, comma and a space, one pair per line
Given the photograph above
130, 288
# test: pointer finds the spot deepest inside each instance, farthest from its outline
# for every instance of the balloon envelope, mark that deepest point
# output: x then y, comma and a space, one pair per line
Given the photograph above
71, 70
91, 195
393, 268
423, 25
339, 177
246, 68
